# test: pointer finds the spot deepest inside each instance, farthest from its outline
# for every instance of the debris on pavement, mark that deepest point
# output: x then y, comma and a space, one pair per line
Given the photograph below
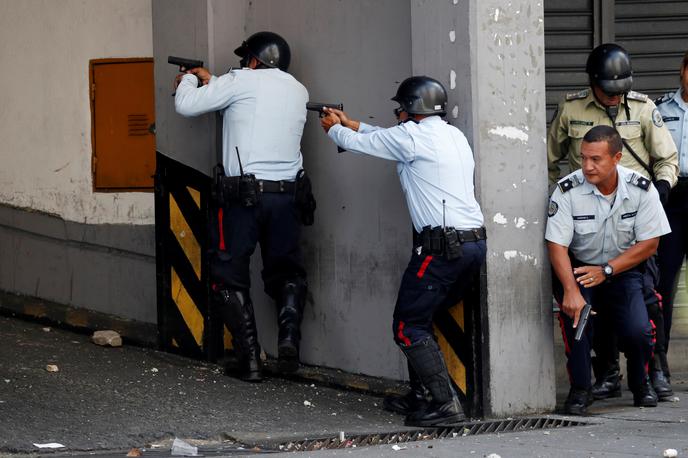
107, 338
670, 453
396, 447
308, 403
46, 329
49, 445
493, 455
52, 368
135, 452
181, 448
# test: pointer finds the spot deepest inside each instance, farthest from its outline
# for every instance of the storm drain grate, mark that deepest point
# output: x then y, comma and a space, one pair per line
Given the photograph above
448, 432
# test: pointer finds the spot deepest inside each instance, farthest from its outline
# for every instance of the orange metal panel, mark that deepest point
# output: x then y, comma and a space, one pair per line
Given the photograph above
123, 109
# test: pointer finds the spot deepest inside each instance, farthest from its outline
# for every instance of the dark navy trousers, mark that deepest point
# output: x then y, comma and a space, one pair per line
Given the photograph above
235, 231
621, 303
429, 283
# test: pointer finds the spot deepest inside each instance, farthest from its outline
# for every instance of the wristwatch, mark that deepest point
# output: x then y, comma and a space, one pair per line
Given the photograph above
608, 270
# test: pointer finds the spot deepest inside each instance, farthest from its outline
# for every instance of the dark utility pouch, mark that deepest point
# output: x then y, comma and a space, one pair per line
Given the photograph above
217, 194
452, 245
248, 190
303, 198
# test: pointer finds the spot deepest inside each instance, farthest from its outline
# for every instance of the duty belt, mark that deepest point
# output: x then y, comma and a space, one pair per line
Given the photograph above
275, 186
446, 241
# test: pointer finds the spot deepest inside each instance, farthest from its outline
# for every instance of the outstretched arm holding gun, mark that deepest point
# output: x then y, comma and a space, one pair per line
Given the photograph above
324, 109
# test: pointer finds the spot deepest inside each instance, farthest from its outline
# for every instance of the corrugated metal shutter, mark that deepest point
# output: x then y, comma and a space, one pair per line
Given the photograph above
569, 38
655, 33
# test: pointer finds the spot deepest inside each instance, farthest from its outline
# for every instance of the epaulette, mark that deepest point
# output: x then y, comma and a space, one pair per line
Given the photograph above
639, 180
639, 96
568, 183
664, 98
577, 95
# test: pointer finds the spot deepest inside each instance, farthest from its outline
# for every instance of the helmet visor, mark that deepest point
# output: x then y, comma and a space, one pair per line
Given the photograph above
615, 87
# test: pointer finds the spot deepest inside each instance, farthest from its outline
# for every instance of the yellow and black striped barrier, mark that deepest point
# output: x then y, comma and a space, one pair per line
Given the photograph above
456, 329
186, 323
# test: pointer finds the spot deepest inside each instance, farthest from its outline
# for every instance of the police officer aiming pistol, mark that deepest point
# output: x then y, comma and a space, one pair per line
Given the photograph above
261, 194
604, 221
435, 166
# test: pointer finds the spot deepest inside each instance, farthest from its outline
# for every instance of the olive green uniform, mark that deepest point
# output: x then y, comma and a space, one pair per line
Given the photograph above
644, 131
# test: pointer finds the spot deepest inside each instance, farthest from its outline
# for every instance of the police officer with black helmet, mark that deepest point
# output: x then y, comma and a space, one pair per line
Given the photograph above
648, 150
435, 165
258, 191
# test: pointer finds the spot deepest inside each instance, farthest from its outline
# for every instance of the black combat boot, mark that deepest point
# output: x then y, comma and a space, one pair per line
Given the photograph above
644, 395
660, 383
413, 401
236, 310
428, 363
291, 305
608, 385
577, 401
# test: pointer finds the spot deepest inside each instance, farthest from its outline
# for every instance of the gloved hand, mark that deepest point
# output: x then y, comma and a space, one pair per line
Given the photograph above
663, 188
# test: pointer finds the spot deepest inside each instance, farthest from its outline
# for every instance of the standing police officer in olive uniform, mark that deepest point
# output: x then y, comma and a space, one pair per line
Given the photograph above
435, 166
264, 112
648, 150
673, 247
604, 221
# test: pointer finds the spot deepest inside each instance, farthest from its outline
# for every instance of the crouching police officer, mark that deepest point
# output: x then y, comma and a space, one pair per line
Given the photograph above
604, 221
648, 150
435, 166
258, 201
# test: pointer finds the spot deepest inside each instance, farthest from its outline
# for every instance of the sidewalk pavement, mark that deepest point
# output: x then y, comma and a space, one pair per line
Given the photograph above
105, 401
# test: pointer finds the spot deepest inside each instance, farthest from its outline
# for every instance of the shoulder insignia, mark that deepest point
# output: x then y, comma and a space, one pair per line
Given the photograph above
577, 95
664, 98
657, 118
640, 97
568, 183
639, 180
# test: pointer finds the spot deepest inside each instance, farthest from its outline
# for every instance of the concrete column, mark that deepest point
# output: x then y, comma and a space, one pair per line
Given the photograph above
490, 56
207, 30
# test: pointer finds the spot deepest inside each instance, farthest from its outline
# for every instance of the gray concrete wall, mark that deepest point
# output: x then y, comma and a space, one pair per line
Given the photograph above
108, 268
508, 115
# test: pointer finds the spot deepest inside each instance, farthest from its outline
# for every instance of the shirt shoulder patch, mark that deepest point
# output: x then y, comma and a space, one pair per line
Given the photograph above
553, 208
577, 95
639, 181
640, 97
657, 118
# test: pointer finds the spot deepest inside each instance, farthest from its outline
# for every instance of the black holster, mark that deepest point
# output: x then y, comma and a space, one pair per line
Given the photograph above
242, 190
303, 198
438, 241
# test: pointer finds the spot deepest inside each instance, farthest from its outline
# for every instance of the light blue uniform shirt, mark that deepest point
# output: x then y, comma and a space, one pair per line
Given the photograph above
264, 112
582, 219
434, 162
673, 110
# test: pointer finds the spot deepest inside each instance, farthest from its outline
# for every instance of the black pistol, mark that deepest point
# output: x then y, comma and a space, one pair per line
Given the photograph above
582, 321
184, 63
320, 107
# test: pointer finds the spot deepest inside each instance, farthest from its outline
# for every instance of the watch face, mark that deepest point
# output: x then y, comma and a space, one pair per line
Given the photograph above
608, 270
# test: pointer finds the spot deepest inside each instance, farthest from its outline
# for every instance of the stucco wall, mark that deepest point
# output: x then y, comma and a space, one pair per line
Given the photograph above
45, 117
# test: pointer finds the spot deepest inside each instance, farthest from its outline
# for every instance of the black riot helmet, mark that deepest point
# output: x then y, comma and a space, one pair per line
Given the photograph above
422, 95
268, 48
609, 67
